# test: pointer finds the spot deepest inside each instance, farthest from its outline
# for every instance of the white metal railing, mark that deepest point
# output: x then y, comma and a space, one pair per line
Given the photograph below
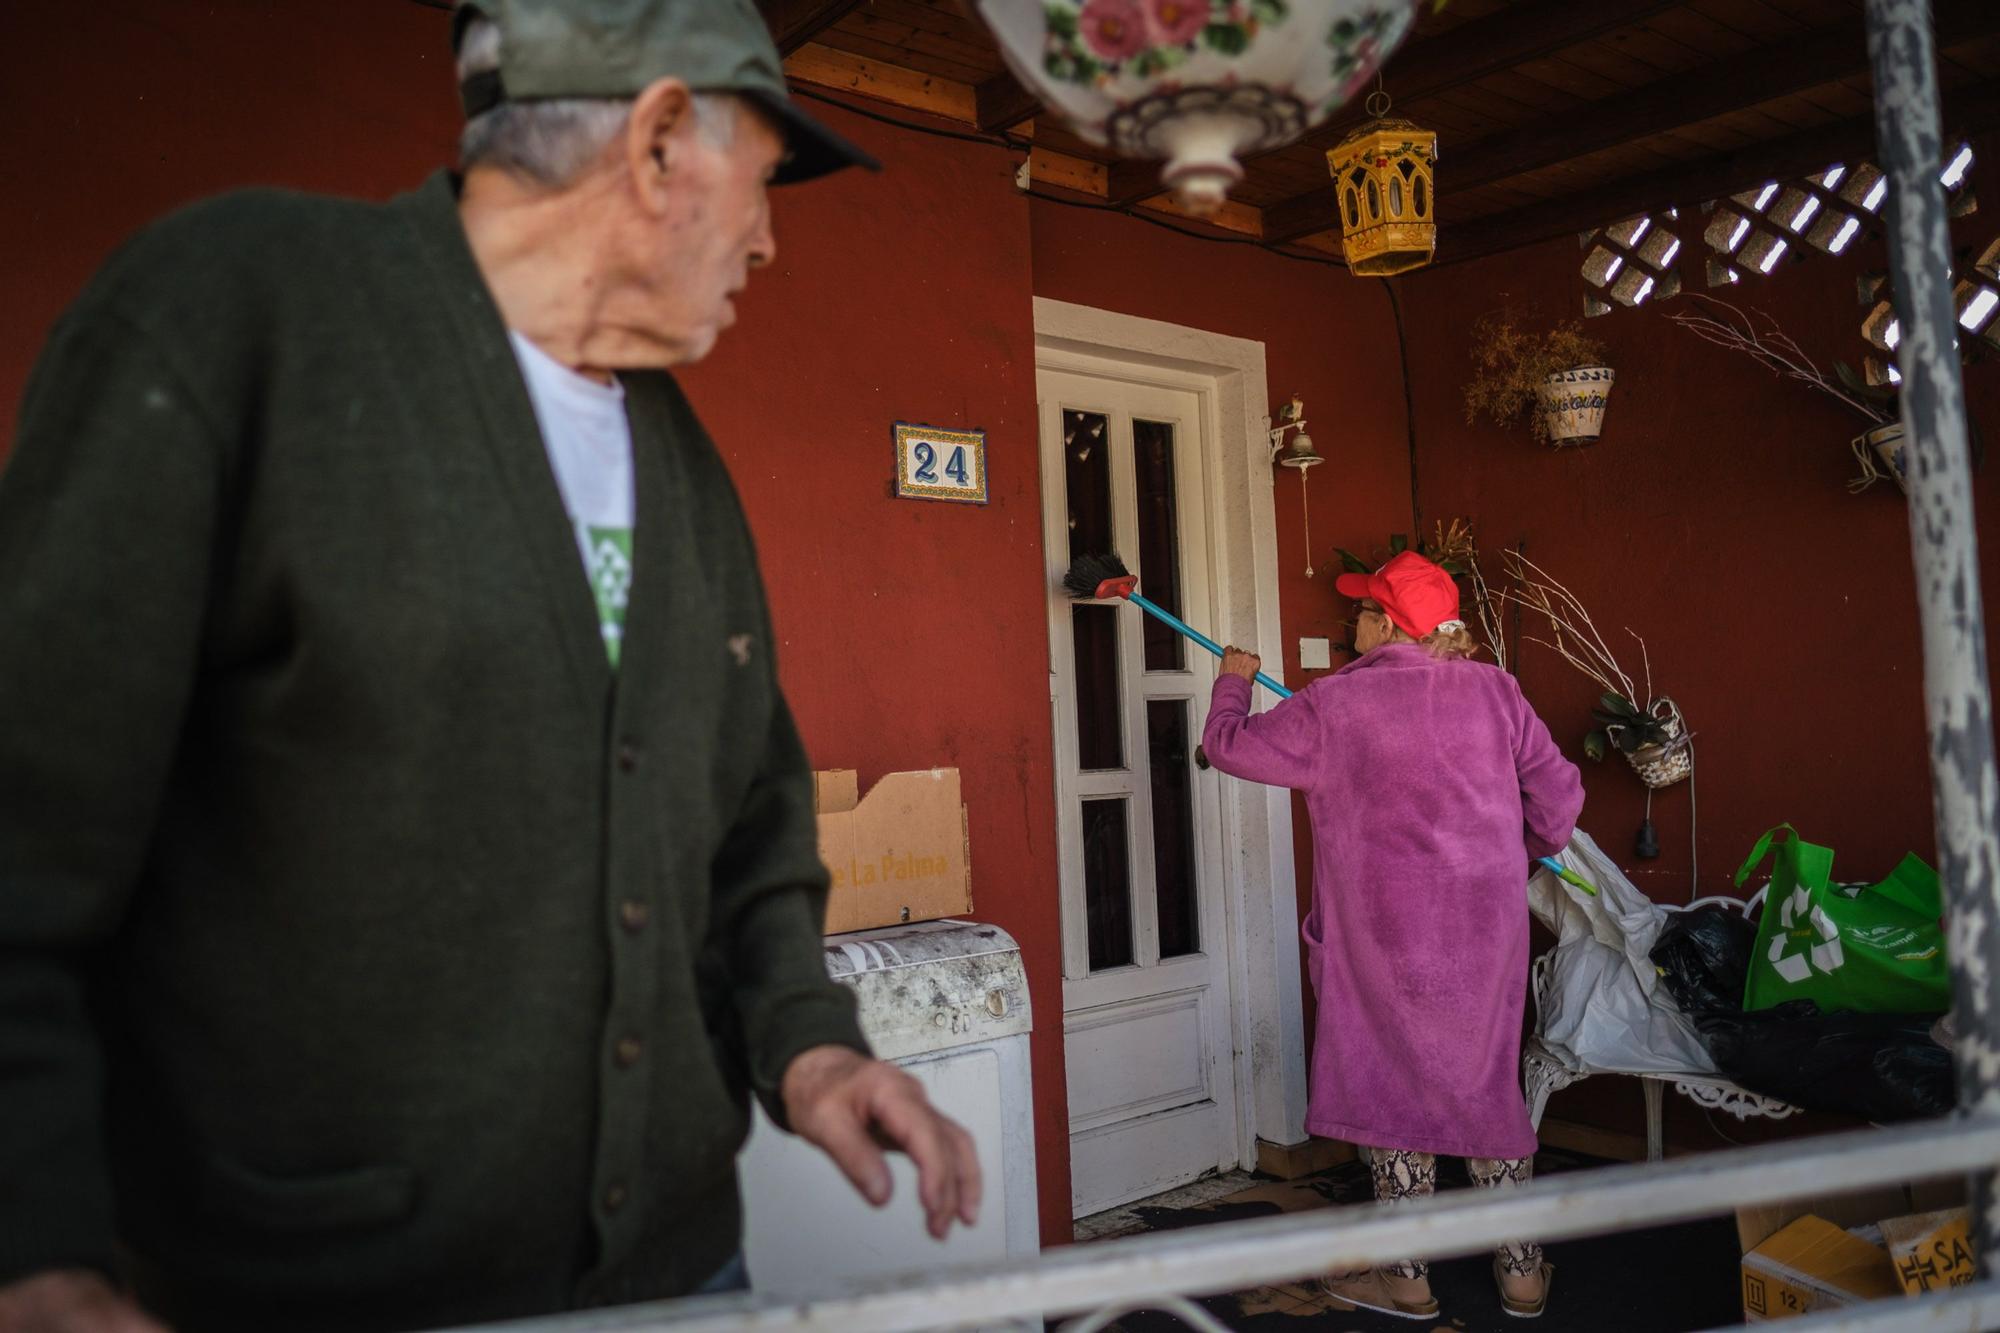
1108, 1276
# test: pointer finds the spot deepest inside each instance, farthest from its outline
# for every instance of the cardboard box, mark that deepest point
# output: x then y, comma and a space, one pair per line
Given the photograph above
1811, 1264
1793, 1264
897, 854
1931, 1251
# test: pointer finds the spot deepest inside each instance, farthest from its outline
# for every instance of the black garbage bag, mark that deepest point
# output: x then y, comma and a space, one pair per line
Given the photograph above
1880, 1067
1703, 956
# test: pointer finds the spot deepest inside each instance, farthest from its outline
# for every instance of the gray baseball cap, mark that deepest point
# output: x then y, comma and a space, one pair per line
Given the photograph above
614, 48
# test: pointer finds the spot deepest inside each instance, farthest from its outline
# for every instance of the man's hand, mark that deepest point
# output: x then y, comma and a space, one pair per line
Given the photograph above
851, 1107
70, 1300
1241, 662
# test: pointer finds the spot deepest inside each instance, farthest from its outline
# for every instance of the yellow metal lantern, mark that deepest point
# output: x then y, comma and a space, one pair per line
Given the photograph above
1382, 176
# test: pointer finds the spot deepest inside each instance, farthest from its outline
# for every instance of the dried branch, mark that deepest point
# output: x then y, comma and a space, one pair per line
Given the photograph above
1575, 634
1769, 346
1483, 599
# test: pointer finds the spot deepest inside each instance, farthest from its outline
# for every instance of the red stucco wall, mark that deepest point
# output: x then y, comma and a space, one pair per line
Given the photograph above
1713, 519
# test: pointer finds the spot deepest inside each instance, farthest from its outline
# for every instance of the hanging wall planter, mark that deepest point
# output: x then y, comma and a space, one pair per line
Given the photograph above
1550, 379
1572, 404
1662, 763
1881, 453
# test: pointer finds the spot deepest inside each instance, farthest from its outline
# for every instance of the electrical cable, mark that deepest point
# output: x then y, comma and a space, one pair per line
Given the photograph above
994, 140
1003, 141
1409, 408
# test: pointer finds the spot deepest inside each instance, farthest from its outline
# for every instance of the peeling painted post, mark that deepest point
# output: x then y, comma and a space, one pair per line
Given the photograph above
1957, 701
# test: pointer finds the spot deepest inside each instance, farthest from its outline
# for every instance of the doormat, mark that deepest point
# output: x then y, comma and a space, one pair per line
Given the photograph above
1662, 1280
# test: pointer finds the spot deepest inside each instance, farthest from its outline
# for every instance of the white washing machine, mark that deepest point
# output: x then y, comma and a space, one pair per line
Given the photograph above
947, 1001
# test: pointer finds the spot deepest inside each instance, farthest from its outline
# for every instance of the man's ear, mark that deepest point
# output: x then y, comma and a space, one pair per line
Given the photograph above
657, 133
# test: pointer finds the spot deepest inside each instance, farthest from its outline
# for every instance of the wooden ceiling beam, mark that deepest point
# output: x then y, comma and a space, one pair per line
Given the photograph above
1003, 103
1676, 101
1486, 46
1133, 179
1669, 104
1302, 215
844, 72
1967, 112
793, 23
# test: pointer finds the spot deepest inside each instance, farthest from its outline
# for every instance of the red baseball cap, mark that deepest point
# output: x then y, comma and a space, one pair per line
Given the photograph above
1417, 595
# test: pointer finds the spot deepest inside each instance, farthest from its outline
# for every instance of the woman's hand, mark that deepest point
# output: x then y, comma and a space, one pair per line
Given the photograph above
1238, 662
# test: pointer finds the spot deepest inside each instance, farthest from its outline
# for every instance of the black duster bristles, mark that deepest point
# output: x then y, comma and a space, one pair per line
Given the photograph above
1088, 572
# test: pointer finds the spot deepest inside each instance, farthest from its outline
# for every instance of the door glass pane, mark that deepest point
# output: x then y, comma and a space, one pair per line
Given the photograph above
1087, 475
1107, 884
1099, 734
1159, 538
1173, 827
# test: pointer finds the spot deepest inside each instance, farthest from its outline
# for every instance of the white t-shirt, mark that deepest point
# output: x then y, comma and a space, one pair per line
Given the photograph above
589, 440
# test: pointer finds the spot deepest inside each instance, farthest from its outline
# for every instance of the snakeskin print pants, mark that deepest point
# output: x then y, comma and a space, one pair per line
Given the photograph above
1413, 1175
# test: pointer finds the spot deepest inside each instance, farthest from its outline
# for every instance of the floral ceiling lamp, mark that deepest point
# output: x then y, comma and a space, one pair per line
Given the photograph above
1199, 83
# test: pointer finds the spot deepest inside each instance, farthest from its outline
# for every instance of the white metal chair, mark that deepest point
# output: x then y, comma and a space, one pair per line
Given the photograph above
1542, 1074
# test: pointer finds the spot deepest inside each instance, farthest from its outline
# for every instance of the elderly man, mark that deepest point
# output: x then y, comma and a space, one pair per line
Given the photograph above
406, 854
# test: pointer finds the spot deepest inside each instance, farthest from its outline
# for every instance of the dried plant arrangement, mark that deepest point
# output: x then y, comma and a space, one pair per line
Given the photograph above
1512, 363
1647, 729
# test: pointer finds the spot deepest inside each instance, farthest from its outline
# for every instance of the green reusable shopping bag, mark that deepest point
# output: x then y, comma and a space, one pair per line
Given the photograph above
1876, 948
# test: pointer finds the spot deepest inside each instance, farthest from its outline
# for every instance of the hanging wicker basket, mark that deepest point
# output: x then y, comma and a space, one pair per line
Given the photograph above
1573, 402
1672, 761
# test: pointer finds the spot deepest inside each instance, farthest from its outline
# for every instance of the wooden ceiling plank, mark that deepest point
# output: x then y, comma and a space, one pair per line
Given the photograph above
1697, 32
1971, 111
1003, 102
1755, 19
1046, 167
1559, 72
793, 23
1469, 51
1651, 46
902, 57
1765, 79
1133, 179
1623, 68
925, 18
1302, 215
843, 71
1530, 91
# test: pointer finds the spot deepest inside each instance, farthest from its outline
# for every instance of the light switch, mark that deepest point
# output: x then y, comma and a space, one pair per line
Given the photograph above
1315, 654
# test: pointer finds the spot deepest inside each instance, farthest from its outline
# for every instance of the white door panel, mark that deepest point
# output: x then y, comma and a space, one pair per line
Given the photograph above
1145, 943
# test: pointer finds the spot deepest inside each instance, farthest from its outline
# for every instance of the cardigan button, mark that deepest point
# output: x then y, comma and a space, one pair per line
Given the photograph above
628, 756
633, 915
627, 1051
614, 1198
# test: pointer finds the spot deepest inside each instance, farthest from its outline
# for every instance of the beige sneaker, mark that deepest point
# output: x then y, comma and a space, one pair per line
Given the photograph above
1524, 1295
1384, 1293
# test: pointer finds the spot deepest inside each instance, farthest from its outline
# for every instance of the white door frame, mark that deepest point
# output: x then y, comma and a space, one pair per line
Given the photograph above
1259, 879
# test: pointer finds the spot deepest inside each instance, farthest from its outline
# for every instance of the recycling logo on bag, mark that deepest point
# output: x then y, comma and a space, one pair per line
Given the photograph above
1802, 919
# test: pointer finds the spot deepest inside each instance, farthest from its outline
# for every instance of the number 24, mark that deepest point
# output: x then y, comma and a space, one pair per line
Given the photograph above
927, 465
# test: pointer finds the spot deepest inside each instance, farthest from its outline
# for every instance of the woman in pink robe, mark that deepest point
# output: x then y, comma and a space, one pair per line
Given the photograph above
1431, 784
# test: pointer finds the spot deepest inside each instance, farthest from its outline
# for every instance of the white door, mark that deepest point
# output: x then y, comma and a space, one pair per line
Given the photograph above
1146, 991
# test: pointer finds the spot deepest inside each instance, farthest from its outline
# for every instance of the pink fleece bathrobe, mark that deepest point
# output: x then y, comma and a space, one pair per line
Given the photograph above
1431, 784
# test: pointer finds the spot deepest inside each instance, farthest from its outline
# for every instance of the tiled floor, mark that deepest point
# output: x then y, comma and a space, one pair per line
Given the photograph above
1667, 1280
1126, 1218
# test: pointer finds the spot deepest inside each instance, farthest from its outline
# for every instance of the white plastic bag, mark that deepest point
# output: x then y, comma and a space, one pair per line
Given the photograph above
1603, 1010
